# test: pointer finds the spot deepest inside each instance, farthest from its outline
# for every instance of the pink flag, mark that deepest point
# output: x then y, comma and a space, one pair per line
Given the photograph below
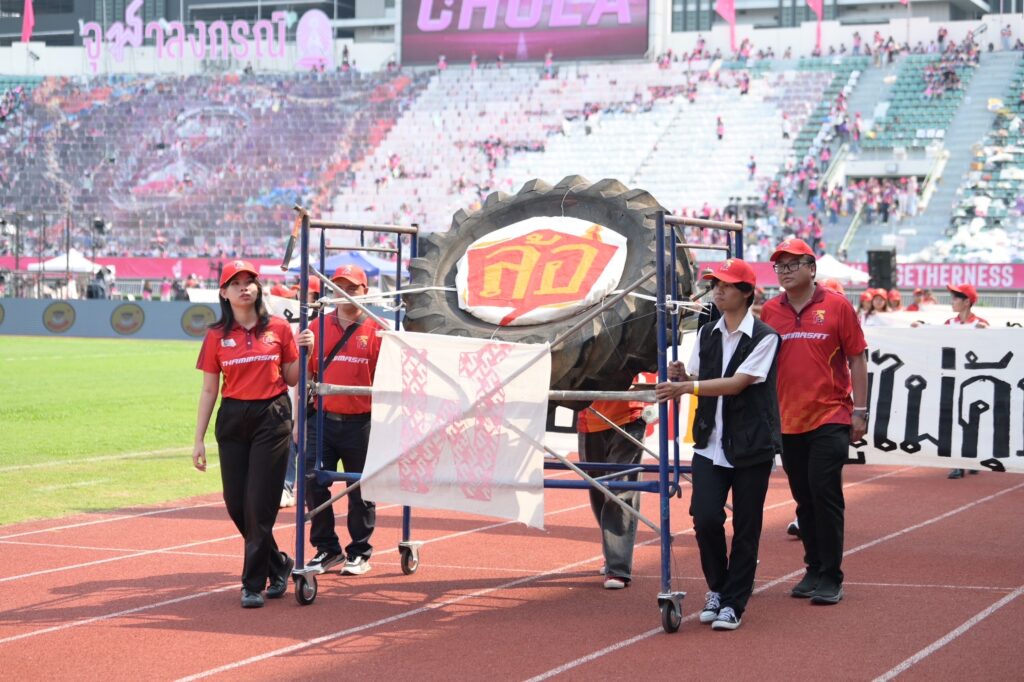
818, 7
727, 10
904, 2
28, 21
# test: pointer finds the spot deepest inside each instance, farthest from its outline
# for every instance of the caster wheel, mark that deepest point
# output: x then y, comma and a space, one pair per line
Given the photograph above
410, 561
670, 617
305, 589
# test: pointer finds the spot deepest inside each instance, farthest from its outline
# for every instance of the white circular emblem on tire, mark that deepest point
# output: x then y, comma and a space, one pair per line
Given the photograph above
539, 270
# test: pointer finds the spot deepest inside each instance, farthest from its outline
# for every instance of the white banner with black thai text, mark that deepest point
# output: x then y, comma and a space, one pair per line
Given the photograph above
457, 424
945, 397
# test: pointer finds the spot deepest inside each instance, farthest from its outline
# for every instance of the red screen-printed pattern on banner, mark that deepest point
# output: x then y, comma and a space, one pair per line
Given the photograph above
430, 426
522, 30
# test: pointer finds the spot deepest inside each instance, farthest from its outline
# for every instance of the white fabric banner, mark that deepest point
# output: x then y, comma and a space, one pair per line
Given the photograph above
457, 424
945, 397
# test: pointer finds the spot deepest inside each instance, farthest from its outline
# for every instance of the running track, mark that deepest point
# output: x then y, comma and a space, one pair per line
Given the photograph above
935, 590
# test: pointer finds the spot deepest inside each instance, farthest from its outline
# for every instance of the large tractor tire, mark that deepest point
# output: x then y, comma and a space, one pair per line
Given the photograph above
606, 353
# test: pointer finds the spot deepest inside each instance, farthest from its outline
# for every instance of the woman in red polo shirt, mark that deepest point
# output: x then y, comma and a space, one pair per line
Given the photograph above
258, 357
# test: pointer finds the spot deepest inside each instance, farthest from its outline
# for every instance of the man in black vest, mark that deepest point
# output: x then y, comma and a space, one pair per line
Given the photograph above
736, 434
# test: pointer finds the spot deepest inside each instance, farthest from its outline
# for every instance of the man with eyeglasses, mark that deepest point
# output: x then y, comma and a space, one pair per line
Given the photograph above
736, 437
822, 360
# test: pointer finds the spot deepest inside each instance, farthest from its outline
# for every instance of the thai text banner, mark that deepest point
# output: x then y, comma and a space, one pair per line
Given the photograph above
522, 30
945, 397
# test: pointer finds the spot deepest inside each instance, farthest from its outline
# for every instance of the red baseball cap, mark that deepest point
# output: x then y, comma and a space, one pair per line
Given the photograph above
282, 291
967, 290
867, 295
235, 267
834, 285
894, 295
797, 247
351, 273
878, 292
733, 271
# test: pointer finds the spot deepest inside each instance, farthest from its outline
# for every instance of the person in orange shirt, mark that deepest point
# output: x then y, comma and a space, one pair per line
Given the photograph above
257, 356
599, 442
821, 363
352, 346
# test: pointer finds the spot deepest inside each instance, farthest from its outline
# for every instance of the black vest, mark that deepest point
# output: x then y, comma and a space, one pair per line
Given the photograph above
751, 428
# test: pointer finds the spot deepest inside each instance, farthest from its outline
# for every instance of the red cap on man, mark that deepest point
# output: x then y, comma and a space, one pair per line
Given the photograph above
967, 290
733, 271
797, 247
235, 267
350, 273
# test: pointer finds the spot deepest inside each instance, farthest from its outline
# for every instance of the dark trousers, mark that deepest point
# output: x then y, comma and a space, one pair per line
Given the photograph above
814, 464
253, 437
345, 442
730, 575
618, 527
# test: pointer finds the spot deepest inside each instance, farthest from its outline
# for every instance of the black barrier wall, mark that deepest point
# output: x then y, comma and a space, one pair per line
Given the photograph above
172, 320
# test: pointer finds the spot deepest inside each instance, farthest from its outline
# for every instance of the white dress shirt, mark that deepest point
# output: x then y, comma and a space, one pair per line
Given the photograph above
757, 364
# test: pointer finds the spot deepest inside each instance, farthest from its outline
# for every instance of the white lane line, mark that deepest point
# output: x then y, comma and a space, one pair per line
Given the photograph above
565, 667
515, 583
110, 519
66, 486
951, 636
93, 619
90, 460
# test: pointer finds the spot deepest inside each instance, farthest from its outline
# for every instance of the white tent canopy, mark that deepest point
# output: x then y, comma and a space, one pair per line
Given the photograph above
830, 268
73, 261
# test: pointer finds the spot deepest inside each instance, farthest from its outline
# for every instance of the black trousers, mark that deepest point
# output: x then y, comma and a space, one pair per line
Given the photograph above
345, 442
253, 437
618, 527
730, 575
814, 464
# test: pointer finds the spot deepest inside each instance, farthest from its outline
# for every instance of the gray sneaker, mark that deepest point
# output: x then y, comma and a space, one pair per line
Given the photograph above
712, 603
357, 566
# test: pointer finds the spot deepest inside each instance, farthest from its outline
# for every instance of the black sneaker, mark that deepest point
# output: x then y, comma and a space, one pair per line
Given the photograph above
956, 473
806, 587
793, 529
279, 582
325, 560
828, 592
726, 619
251, 600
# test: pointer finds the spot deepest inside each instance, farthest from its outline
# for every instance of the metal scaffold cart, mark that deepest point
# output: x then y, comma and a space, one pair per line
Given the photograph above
671, 244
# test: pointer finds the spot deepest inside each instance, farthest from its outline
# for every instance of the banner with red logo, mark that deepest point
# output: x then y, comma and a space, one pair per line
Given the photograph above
539, 270
458, 425
522, 30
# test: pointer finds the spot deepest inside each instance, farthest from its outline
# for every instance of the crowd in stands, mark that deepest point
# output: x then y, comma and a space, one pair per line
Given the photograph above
170, 161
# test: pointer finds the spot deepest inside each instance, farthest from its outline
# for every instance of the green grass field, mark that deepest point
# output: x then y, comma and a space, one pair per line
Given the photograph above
95, 424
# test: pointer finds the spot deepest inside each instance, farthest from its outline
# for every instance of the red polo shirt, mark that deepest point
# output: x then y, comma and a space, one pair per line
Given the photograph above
621, 412
814, 379
354, 365
251, 362
973, 320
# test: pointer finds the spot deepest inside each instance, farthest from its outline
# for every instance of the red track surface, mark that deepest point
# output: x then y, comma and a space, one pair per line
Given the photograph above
935, 590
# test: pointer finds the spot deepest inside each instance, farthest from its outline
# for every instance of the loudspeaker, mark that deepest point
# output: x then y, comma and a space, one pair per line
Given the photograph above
882, 268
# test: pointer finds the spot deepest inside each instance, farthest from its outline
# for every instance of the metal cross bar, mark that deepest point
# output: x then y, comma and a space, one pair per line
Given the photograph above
700, 222
374, 249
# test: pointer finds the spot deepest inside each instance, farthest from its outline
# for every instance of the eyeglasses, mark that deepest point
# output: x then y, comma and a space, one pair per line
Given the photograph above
791, 266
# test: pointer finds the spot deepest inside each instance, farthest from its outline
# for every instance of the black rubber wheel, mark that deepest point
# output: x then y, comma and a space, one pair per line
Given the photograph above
607, 353
305, 589
410, 562
670, 617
